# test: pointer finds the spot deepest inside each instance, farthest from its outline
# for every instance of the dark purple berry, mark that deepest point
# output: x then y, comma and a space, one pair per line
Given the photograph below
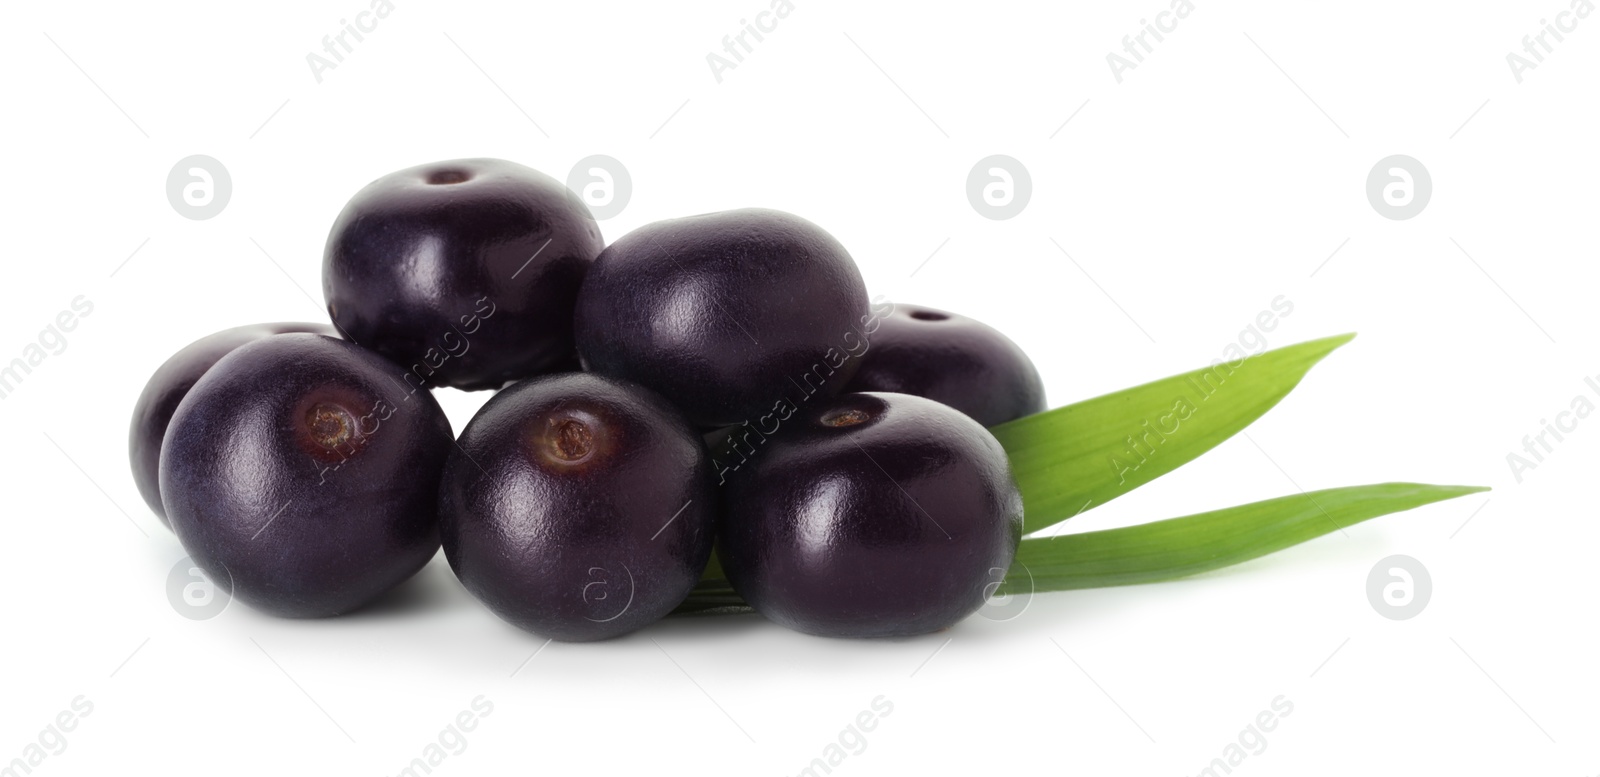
725, 314
959, 361
301, 475
871, 515
578, 507
167, 387
464, 272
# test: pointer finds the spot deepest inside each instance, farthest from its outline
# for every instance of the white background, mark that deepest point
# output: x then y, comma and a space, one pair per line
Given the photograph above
1222, 172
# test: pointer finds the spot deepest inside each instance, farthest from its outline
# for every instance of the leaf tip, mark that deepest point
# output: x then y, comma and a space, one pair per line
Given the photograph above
1317, 350
1339, 340
1455, 492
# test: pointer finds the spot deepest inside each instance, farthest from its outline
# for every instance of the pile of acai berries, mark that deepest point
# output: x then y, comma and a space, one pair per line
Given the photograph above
720, 380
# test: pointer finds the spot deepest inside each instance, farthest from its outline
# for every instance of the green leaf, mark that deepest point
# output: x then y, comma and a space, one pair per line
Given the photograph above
1173, 548
1179, 547
712, 597
1081, 456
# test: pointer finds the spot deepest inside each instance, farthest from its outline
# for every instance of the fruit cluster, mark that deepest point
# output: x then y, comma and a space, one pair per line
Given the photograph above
720, 380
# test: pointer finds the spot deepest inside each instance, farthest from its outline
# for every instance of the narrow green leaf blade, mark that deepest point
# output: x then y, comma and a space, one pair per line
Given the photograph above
1180, 547
1173, 548
1080, 456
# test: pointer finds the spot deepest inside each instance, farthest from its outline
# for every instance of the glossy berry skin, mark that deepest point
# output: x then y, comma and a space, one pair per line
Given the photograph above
949, 358
300, 475
871, 515
725, 314
578, 507
463, 272
168, 386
